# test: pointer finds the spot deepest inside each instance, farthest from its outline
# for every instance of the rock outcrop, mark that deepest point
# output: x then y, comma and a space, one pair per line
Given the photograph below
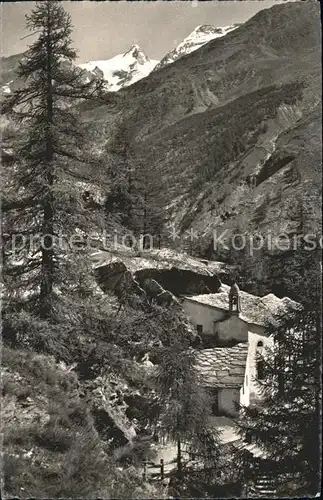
117, 278
154, 272
180, 281
108, 409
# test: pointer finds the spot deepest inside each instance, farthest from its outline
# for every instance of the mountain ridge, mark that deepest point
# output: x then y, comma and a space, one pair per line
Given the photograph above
126, 68
201, 35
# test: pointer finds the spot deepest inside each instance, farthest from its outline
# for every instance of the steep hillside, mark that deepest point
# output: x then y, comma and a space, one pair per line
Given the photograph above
223, 128
8, 76
77, 408
268, 49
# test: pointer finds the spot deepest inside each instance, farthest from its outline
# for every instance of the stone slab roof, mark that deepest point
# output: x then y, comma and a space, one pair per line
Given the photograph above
256, 310
222, 366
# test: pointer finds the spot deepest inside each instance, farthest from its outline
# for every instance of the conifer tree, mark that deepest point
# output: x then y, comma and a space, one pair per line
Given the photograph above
286, 421
134, 190
122, 199
153, 217
186, 406
42, 201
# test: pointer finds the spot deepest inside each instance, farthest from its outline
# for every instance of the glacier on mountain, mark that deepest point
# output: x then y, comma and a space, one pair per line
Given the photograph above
123, 69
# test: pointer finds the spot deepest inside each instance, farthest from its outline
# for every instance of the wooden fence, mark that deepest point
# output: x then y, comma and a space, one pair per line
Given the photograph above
156, 471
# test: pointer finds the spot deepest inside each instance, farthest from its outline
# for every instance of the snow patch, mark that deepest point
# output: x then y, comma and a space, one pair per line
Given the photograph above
6, 88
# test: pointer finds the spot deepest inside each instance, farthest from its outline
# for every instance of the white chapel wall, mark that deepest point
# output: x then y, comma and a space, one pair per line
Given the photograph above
204, 315
232, 328
245, 390
251, 369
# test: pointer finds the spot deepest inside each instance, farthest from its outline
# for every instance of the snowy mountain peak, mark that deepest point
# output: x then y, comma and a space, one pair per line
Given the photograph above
206, 28
134, 47
201, 35
123, 69
134, 50
137, 53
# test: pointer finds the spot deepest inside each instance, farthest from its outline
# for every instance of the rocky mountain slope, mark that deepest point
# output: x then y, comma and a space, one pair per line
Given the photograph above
78, 409
200, 36
232, 130
8, 73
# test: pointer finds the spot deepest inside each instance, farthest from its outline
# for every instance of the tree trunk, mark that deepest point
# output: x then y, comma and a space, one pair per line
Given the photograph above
179, 456
145, 225
47, 251
130, 192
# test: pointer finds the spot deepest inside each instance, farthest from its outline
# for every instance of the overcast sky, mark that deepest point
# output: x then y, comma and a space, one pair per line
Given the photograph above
104, 29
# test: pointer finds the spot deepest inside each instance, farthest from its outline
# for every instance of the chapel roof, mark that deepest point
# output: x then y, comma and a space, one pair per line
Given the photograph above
222, 366
254, 309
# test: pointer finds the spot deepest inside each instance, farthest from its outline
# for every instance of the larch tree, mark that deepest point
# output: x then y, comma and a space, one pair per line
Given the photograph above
133, 198
185, 404
153, 216
122, 201
42, 201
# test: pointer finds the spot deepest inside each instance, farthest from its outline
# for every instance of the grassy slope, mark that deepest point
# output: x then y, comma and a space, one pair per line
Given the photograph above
60, 412
50, 445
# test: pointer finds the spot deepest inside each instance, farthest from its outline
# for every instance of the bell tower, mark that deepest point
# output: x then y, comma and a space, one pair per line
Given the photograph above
234, 299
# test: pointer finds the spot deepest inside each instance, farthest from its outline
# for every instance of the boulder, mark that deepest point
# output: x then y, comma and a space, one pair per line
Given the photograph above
152, 288
155, 291
116, 277
105, 397
110, 275
165, 298
128, 284
111, 427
